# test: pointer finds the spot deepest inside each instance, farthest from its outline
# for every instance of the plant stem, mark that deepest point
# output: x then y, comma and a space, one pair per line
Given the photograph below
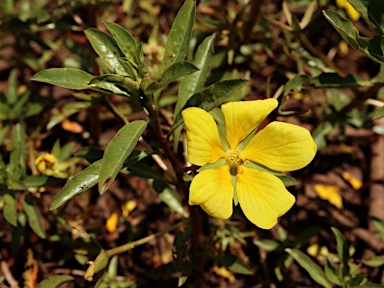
126, 247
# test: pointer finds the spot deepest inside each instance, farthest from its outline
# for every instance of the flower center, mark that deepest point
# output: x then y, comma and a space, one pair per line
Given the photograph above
234, 159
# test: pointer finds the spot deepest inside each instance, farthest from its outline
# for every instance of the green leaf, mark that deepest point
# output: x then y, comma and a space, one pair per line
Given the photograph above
12, 88
233, 263
17, 161
118, 151
169, 197
194, 83
10, 208
105, 46
267, 245
325, 80
355, 281
374, 261
179, 36
368, 286
372, 11
172, 73
373, 48
343, 251
117, 84
344, 27
70, 78
214, 95
35, 181
55, 281
124, 40
33, 216
311, 267
79, 183
331, 273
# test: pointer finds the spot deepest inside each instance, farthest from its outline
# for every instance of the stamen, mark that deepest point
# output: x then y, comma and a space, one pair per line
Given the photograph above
234, 159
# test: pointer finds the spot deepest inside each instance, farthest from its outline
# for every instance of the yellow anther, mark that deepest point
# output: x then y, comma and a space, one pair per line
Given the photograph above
234, 158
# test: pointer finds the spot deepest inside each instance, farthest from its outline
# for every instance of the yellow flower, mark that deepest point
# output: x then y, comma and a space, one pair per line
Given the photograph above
329, 193
234, 175
351, 11
46, 164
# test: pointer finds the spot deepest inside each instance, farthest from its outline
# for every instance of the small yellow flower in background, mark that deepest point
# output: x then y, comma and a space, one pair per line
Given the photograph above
318, 252
225, 273
329, 193
351, 11
46, 164
279, 146
355, 183
112, 222
128, 207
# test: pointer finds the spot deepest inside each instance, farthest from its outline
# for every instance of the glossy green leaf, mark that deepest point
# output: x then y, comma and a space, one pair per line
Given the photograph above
172, 73
311, 267
64, 77
79, 183
325, 80
194, 83
214, 95
10, 208
344, 27
33, 216
343, 251
105, 46
124, 40
372, 11
179, 35
116, 84
372, 47
169, 197
331, 273
118, 151
54, 281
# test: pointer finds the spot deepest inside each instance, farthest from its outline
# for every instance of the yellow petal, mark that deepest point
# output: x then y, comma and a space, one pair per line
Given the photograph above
203, 139
242, 117
341, 3
262, 197
352, 12
329, 193
355, 183
112, 222
282, 147
213, 190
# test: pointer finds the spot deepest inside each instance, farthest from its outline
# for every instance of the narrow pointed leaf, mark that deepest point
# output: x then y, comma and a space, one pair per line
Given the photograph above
311, 267
124, 40
179, 36
374, 261
343, 251
33, 216
116, 84
107, 49
70, 78
118, 151
10, 208
55, 281
331, 273
169, 197
194, 83
79, 183
172, 73
214, 95
344, 27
